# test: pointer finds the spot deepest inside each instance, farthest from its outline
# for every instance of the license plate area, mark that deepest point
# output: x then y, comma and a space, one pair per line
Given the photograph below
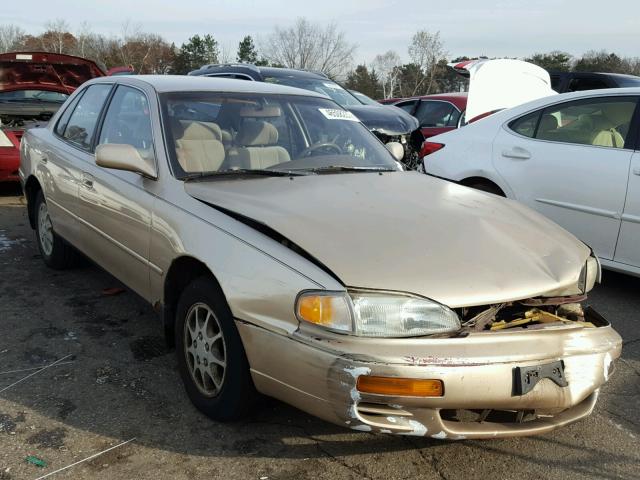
525, 378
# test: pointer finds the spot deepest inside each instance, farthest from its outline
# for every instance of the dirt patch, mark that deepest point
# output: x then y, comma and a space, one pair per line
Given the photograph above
53, 438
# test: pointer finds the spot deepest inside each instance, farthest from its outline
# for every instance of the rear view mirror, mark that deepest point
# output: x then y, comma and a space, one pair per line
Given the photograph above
124, 157
396, 149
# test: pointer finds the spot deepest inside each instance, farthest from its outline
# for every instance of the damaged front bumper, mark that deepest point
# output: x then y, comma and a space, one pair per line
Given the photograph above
318, 374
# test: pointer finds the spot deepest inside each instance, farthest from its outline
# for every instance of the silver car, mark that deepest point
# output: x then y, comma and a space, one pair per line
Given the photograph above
288, 254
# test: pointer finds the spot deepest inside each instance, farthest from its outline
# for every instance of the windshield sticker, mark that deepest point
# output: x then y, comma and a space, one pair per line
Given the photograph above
336, 114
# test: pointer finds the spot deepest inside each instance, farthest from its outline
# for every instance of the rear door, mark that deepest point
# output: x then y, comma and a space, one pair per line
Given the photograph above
571, 161
65, 154
436, 117
116, 205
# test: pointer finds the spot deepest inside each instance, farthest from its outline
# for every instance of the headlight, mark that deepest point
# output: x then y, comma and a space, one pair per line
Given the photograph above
376, 314
590, 274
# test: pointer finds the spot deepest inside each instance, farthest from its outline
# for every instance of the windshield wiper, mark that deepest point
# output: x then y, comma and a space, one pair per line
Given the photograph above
244, 171
347, 168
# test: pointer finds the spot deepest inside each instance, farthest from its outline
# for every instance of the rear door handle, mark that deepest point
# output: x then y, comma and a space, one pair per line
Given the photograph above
517, 153
87, 180
636, 171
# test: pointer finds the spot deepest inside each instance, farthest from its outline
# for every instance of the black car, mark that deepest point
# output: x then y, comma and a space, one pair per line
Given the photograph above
563, 82
388, 123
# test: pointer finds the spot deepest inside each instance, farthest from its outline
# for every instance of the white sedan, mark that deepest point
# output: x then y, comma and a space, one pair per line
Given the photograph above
573, 157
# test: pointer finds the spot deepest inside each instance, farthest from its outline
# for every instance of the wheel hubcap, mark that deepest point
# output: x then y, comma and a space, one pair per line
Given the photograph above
205, 350
45, 229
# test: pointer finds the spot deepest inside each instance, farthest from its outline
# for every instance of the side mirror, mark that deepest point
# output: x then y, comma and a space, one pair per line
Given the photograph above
396, 149
124, 157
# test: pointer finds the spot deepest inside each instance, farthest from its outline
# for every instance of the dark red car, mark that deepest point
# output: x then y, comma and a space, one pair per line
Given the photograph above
437, 113
33, 86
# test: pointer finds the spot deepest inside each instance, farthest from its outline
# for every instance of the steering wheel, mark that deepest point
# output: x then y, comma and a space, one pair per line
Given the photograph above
307, 152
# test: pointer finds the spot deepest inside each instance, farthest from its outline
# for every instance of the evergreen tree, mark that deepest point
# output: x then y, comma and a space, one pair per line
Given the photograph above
198, 51
365, 81
247, 51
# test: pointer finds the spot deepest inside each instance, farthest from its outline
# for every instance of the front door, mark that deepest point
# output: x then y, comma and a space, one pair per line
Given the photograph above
117, 205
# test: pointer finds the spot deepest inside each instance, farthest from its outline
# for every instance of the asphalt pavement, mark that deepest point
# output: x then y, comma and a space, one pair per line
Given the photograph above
116, 382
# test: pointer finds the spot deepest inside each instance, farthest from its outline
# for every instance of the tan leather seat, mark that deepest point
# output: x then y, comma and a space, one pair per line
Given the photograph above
608, 138
199, 146
258, 148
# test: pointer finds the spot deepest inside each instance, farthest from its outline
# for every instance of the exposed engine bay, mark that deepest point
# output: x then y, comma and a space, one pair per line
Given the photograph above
535, 313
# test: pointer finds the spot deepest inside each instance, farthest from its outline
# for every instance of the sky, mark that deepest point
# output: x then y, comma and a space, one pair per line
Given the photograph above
515, 28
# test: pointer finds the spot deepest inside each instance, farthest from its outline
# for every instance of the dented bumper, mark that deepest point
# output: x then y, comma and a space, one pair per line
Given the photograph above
318, 374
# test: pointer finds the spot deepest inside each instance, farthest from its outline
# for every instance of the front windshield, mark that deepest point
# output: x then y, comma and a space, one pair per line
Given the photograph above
211, 133
319, 85
33, 96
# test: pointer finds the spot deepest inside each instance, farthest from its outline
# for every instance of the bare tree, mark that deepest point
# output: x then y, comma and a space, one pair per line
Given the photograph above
426, 51
10, 38
386, 64
57, 37
310, 46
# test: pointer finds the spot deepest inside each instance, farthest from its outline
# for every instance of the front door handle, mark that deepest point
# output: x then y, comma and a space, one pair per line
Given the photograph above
87, 180
636, 171
517, 153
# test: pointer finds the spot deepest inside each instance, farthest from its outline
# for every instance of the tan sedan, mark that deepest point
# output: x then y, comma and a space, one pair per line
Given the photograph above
288, 254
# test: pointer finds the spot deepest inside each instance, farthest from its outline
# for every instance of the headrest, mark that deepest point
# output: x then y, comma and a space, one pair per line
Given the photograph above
260, 111
257, 133
199, 131
548, 122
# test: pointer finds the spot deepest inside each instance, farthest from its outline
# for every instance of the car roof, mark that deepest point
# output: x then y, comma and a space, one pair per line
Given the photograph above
184, 83
248, 68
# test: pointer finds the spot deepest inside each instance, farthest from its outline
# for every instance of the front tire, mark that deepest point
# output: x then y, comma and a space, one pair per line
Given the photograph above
55, 252
211, 358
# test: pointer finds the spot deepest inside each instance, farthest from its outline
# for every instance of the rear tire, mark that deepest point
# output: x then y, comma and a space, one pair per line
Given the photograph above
211, 358
55, 252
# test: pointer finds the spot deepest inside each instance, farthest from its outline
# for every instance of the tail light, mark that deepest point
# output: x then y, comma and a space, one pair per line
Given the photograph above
430, 147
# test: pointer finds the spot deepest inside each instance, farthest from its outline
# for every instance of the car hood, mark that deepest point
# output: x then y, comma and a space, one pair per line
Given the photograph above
502, 83
385, 119
408, 232
45, 71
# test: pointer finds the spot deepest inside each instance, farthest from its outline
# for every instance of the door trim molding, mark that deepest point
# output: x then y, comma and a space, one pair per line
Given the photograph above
581, 208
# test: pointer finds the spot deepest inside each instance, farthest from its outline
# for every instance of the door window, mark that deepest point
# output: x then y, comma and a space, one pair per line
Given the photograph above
526, 125
407, 106
601, 122
437, 114
128, 121
83, 121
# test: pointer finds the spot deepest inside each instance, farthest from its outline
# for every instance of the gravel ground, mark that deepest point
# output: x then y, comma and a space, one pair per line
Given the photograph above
119, 382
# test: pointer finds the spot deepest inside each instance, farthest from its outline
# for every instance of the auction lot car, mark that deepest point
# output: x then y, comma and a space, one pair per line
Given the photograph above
573, 157
274, 266
33, 85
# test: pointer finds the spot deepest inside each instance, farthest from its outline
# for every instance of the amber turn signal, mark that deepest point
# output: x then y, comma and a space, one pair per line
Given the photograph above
403, 387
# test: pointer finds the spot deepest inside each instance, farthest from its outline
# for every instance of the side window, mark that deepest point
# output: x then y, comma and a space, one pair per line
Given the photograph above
66, 115
82, 124
601, 122
436, 114
128, 121
407, 106
526, 125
